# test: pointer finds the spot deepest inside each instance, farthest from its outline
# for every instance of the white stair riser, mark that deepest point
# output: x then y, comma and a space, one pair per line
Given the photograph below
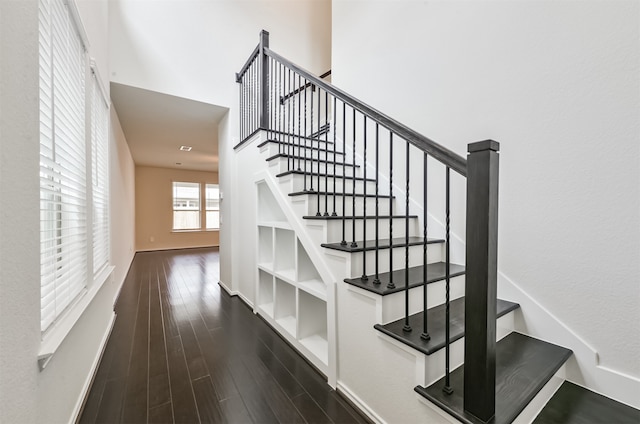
298, 184
326, 204
434, 254
334, 229
272, 149
281, 165
436, 361
393, 304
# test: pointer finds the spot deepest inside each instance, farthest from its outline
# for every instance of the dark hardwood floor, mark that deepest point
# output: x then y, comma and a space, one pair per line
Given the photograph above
183, 351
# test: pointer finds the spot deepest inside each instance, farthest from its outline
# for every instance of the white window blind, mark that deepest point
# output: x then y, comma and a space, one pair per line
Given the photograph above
100, 176
63, 202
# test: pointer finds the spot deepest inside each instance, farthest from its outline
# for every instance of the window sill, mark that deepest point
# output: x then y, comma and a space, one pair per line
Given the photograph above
196, 231
64, 324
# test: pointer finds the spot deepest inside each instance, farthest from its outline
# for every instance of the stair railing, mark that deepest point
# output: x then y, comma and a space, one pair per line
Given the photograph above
313, 122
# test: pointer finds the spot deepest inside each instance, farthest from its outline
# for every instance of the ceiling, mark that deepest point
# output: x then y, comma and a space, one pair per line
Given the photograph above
156, 125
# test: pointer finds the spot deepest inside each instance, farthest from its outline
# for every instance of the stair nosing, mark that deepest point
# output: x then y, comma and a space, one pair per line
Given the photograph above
337, 177
331, 193
382, 289
510, 306
399, 242
340, 217
319, 149
286, 156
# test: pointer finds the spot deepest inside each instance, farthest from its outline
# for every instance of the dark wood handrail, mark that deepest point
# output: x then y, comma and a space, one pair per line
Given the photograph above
248, 63
435, 150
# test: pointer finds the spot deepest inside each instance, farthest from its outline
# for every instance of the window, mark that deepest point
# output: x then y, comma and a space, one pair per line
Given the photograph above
186, 206
100, 175
63, 185
212, 193
74, 168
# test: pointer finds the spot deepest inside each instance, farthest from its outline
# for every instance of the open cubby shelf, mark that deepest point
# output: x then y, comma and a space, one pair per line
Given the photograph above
291, 295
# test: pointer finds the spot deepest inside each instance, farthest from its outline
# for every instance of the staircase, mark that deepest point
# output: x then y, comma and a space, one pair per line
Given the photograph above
350, 238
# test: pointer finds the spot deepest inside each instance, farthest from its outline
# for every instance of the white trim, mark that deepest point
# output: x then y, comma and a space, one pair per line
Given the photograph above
94, 68
75, 415
63, 325
77, 20
227, 289
348, 393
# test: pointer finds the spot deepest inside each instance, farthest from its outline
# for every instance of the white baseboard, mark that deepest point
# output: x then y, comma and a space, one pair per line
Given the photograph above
75, 415
236, 293
584, 368
353, 398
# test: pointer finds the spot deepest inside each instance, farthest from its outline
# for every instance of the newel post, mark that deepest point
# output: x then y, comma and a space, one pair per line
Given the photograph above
263, 104
481, 279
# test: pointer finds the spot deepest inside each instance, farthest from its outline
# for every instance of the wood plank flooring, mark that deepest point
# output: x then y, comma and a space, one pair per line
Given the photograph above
183, 351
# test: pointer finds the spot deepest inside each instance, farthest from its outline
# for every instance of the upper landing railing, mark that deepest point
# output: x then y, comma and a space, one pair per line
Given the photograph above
310, 119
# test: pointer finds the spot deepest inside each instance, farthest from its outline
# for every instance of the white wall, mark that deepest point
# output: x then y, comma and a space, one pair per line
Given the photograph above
193, 48
55, 394
557, 83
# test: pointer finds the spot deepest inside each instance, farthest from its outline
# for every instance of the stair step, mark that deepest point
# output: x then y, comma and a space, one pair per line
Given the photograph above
435, 272
295, 145
382, 244
332, 193
368, 217
435, 322
315, 174
523, 366
296, 157
573, 404
273, 135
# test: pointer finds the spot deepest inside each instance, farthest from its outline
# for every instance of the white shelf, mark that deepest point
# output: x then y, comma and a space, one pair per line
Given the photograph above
267, 309
288, 323
318, 345
288, 275
266, 266
316, 288
275, 224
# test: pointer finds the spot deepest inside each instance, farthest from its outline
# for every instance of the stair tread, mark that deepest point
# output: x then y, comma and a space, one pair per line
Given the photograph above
339, 217
382, 244
573, 404
435, 324
333, 193
332, 162
286, 143
435, 272
315, 174
523, 366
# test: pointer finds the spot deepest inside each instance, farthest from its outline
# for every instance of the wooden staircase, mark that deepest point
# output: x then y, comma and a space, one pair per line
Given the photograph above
524, 364
340, 213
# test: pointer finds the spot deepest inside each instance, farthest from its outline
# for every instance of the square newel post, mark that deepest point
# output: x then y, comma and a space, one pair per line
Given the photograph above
481, 279
263, 103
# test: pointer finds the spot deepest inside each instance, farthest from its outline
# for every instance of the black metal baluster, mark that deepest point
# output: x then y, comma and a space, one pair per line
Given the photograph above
326, 156
344, 173
390, 284
376, 279
447, 383
300, 153
425, 330
311, 139
335, 160
353, 190
271, 88
280, 112
364, 202
317, 136
305, 134
240, 101
407, 327
289, 128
